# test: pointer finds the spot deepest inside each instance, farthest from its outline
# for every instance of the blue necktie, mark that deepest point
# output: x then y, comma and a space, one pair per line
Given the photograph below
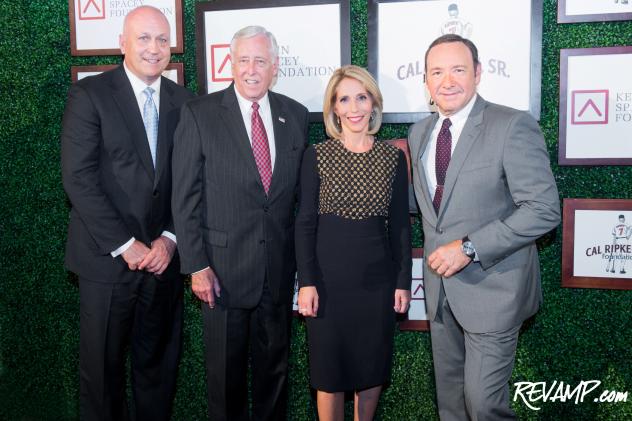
150, 118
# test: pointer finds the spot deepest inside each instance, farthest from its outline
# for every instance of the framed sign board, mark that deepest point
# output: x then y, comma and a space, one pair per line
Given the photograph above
95, 25
569, 11
174, 71
597, 243
595, 112
416, 319
400, 31
313, 38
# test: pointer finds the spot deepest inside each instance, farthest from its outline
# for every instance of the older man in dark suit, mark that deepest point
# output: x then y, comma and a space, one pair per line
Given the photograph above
486, 193
236, 164
116, 165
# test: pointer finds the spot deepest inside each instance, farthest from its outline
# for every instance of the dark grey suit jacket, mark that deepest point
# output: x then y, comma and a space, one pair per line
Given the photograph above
222, 215
500, 191
108, 173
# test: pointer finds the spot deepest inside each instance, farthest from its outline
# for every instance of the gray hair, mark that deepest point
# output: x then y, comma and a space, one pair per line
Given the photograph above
253, 31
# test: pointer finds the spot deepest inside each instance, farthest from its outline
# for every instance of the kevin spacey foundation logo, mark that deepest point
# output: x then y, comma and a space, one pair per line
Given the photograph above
589, 106
91, 9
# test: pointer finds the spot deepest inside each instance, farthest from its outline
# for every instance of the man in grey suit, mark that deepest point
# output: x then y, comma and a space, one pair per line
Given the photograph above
486, 193
235, 166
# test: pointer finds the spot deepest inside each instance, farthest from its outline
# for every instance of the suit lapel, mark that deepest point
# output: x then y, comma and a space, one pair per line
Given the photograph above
470, 133
282, 138
126, 101
429, 211
233, 119
166, 106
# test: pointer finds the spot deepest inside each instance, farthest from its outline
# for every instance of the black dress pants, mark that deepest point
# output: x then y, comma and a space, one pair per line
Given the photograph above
229, 334
145, 316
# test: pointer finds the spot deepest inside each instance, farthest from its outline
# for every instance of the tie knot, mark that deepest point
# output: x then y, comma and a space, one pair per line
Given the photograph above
255, 106
446, 124
149, 91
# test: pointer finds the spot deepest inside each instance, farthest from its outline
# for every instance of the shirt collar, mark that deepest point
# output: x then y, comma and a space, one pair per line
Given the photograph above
245, 105
461, 115
138, 86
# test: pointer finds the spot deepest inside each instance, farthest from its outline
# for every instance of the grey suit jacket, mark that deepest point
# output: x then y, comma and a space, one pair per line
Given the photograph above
222, 215
500, 191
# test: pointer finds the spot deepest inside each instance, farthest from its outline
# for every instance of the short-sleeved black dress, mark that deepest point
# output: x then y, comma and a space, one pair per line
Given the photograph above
353, 244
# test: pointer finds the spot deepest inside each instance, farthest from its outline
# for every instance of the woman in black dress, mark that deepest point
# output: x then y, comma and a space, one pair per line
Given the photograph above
353, 248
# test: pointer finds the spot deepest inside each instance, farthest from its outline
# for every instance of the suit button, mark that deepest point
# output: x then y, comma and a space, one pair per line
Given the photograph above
155, 193
440, 231
266, 208
262, 241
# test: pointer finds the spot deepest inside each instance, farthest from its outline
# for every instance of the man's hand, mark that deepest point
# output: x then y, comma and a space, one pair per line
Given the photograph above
159, 257
448, 259
308, 301
135, 254
402, 300
205, 286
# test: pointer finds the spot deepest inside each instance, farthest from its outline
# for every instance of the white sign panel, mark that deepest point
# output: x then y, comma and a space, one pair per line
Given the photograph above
583, 7
309, 38
603, 244
596, 112
501, 30
97, 24
417, 309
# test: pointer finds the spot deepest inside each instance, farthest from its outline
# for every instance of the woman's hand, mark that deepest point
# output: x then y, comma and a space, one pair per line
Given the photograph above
402, 300
308, 301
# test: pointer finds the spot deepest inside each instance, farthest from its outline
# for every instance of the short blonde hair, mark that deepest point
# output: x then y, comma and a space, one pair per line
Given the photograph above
332, 126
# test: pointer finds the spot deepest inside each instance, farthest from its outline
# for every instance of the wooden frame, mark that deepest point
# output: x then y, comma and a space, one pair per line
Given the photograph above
393, 86
417, 295
597, 249
563, 17
597, 90
75, 70
101, 7
209, 74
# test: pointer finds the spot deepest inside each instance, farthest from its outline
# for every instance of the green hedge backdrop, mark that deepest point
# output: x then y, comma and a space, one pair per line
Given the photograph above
579, 334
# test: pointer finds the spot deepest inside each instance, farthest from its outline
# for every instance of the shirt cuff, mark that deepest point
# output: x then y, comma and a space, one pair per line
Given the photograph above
123, 248
201, 270
170, 236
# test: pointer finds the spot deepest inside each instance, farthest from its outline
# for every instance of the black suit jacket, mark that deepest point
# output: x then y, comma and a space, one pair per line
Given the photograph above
223, 217
108, 174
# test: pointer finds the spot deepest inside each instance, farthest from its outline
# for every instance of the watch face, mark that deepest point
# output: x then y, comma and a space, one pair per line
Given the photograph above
468, 248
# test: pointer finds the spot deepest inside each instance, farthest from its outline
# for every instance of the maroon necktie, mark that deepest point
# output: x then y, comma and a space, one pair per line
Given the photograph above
442, 160
261, 148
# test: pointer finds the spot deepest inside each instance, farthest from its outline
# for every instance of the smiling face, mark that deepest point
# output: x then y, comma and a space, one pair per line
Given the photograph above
145, 43
253, 66
451, 76
353, 105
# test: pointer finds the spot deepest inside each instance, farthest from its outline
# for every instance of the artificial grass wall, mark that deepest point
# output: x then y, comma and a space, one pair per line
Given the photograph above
579, 334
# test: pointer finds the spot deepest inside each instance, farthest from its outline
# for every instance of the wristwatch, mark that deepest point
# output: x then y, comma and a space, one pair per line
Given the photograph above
468, 248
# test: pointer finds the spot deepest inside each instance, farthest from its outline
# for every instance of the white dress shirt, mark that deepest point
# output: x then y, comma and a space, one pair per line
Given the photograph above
138, 86
428, 158
245, 106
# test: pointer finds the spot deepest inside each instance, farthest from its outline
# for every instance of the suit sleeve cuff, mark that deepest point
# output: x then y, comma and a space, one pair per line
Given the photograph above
123, 248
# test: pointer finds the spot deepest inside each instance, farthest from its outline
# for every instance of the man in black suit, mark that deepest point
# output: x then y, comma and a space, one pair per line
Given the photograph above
236, 164
117, 140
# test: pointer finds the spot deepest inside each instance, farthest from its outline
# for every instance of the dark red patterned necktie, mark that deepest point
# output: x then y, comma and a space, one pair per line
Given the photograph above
261, 148
442, 160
